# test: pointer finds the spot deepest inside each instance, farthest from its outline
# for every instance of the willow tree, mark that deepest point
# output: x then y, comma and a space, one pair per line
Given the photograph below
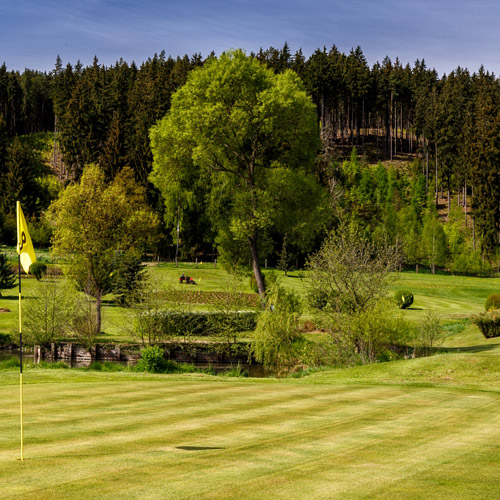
249, 137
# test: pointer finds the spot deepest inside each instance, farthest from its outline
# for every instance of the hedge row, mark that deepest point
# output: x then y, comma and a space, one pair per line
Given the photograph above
203, 297
201, 323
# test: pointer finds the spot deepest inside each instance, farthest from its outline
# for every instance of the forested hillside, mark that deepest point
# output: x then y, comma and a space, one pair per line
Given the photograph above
423, 174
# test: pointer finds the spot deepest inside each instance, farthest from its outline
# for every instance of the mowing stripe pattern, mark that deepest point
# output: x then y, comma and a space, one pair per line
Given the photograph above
167, 438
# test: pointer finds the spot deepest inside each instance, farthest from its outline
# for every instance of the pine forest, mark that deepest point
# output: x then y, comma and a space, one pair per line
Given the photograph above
408, 156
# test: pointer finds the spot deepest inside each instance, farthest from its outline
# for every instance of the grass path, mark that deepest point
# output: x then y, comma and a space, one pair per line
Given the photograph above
96, 435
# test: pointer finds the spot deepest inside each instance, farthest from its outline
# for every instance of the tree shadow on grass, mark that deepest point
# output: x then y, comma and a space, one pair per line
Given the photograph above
199, 448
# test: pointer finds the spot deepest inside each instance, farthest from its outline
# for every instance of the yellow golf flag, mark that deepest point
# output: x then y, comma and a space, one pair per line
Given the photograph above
24, 245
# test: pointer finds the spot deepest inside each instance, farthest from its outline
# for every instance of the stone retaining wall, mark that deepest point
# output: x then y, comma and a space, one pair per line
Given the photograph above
199, 352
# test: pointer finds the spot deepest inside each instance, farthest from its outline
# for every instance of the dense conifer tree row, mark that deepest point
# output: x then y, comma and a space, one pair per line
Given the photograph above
389, 111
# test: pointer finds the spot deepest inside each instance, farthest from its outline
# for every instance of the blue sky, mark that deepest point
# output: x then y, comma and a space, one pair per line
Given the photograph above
445, 33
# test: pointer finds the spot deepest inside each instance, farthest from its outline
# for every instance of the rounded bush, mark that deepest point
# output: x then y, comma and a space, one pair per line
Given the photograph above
488, 323
151, 360
492, 302
38, 269
403, 298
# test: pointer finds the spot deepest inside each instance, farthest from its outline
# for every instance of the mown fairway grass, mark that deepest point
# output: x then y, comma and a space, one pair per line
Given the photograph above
328, 436
452, 297
425, 428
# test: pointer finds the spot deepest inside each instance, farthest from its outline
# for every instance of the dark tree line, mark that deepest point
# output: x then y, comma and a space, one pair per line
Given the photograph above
25, 101
388, 111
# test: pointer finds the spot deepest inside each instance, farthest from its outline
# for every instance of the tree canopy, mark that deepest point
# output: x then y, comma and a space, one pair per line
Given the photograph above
447, 125
249, 137
97, 226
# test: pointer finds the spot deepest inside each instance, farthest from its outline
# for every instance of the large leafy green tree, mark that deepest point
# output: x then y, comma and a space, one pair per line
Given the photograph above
249, 136
98, 226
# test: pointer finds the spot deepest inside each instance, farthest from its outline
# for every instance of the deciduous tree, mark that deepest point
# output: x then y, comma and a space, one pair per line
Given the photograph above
99, 225
248, 135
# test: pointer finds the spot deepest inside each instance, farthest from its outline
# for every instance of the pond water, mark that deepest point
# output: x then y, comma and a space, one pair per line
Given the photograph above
253, 370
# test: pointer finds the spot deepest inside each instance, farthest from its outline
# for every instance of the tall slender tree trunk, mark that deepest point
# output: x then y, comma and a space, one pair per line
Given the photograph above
395, 134
433, 264
351, 124
423, 153
177, 243
465, 202
98, 304
252, 242
473, 234
401, 133
363, 127
427, 166
323, 124
390, 128
437, 191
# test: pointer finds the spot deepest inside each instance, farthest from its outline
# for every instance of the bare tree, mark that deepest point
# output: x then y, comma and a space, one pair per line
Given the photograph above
86, 318
349, 273
47, 312
348, 285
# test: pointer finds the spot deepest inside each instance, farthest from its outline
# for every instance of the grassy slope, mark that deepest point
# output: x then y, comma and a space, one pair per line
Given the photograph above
453, 297
116, 323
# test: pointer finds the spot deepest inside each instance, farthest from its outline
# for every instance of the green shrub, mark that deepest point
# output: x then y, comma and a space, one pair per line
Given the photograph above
9, 364
277, 333
200, 323
403, 298
7, 274
151, 360
38, 269
488, 323
130, 280
41, 233
317, 298
428, 334
492, 302
5, 338
472, 264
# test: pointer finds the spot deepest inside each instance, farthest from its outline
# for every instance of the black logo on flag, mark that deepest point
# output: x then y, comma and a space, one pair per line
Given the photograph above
23, 241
